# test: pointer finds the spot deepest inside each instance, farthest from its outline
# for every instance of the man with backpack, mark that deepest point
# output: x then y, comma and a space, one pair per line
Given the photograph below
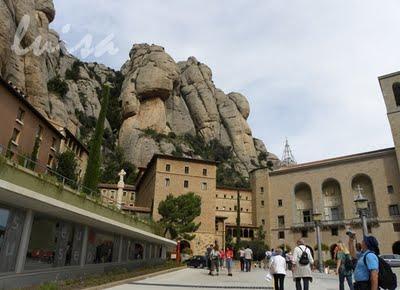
302, 260
371, 271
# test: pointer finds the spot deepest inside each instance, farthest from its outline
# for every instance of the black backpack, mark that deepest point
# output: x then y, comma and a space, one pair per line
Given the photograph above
348, 263
386, 278
304, 260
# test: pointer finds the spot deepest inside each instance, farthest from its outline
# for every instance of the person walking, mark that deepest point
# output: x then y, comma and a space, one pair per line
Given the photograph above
277, 268
215, 260
248, 257
222, 258
241, 258
344, 266
208, 258
229, 259
302, 260
367, 267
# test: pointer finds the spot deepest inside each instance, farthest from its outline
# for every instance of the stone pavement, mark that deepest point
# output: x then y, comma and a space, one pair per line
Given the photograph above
198, 279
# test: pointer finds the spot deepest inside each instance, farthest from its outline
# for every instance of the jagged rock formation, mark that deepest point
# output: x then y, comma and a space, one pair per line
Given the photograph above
161, 99
32, 71
161, 95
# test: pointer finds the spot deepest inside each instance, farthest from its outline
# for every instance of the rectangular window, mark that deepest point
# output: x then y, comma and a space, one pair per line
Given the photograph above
168, 167
306, 216
263, 221
394, 210
281, 235
186, 184
280, 202
334, 231
124, 193
335, 213
15, 136
262, 189
186, 169
304, 233
281, 221
390, 189
54, 243
262, 203
100, 248
39, 132
20, 115
204, 186
50, 161
204, 172
167, 181
235, 207
396, 227
53, 143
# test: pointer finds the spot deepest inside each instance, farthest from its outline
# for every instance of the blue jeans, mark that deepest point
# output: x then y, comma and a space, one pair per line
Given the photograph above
349, 279
229, 265
247, 265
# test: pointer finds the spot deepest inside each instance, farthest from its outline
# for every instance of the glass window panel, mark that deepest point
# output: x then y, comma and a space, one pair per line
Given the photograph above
11, 225
100, 247
53, 243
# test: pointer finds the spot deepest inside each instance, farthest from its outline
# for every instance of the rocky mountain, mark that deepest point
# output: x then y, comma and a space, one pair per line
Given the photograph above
159, 105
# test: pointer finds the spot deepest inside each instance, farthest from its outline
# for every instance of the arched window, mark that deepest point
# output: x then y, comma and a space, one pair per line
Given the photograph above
332, 198
396, 92
304, 205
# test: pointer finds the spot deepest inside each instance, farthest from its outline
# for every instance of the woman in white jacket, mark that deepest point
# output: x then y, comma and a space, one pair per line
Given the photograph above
277, 266
303, 260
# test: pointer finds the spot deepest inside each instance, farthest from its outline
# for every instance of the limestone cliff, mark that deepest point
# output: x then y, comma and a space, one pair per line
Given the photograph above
160, 106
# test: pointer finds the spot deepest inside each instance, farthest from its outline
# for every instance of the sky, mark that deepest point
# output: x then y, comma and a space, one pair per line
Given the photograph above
308, 68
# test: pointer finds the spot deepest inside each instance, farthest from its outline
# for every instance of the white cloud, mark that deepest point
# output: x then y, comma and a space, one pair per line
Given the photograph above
309, 68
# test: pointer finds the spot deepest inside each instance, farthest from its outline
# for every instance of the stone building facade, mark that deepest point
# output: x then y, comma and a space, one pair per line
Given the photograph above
283, 201
25, 131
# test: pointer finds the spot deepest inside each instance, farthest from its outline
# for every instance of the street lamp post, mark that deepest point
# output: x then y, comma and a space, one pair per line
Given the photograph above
362, 208
317, 220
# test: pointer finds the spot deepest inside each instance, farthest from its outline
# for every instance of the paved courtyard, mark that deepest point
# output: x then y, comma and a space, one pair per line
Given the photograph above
198, 278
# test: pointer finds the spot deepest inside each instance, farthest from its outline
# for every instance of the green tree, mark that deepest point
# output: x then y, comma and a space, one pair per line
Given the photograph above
34, 155
238, 231
116, 162
260, 233
67, 165
178, 215
58, 86
92, 174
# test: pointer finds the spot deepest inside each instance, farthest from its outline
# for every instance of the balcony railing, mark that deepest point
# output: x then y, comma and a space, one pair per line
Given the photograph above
26, 162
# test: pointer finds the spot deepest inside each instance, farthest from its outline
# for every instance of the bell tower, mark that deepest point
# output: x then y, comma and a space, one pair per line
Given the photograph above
390, 86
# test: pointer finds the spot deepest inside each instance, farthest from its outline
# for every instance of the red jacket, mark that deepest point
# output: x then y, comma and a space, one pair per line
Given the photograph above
229, 254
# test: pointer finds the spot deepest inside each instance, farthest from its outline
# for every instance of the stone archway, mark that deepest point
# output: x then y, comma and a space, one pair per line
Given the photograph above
304, 203
332, 199
363, 183
396, 248
185, 246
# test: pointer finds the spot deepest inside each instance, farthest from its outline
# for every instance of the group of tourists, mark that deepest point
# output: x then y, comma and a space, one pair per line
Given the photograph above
358, 260
219, 258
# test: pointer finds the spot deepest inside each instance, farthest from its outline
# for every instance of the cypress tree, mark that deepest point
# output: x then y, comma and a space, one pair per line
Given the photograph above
238, 231
92, 174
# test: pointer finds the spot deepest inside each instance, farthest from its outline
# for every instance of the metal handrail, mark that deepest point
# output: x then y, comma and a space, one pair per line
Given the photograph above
35, 166
76, 186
